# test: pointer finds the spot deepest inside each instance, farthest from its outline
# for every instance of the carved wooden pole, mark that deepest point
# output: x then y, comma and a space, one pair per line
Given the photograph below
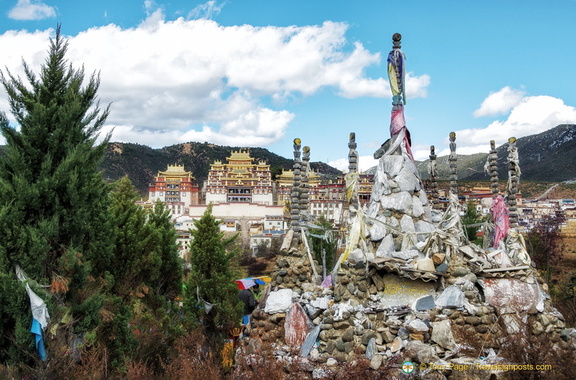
295, 196
432, 171
493, 169
452, 163
513, 181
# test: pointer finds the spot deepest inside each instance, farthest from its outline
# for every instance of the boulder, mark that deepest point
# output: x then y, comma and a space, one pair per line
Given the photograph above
278, 301
296, 326
442, 334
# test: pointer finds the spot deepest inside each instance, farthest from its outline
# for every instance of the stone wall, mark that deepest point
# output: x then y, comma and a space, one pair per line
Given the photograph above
432, 322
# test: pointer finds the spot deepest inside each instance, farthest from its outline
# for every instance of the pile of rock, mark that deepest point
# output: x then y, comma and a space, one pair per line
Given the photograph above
411, 287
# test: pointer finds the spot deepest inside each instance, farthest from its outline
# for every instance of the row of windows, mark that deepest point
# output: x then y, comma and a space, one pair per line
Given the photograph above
239, 199
238, 191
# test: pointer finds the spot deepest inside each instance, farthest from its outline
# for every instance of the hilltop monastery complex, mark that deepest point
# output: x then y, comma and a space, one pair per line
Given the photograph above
246, 199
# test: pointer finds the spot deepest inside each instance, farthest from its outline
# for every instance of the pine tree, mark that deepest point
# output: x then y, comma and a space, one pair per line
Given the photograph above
54, 216
211, 277
132, 264
169, 282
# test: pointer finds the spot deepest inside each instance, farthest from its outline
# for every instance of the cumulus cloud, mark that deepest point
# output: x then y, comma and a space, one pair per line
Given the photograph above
531, 115
364, 163
499, 102
182, 80
31, 10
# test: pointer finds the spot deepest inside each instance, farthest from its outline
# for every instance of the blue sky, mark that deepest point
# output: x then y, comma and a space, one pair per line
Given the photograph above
263, 72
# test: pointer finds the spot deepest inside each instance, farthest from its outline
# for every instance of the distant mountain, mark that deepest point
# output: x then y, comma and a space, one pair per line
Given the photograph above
549, 156
141, 163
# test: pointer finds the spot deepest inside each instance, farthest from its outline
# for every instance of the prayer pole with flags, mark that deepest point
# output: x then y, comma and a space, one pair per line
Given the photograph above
396, 76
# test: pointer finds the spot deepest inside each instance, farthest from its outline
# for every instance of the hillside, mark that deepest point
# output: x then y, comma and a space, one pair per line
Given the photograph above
141, 163
549, 156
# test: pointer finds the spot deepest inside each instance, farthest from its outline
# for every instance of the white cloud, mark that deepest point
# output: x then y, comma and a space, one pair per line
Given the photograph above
182, 80
206, 11
31, 10
364, 163
499, 102
531, 115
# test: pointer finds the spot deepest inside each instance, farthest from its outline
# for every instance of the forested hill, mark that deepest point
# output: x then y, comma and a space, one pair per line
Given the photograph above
549, 156
141, 163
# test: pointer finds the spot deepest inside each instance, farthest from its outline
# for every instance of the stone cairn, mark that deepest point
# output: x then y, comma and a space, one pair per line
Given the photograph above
452, 160
492, 169
513, 180
433, 180
409, 285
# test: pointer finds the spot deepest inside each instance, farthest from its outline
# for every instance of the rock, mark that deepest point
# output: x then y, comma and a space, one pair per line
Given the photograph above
442, 268
438, 258
367, 335
403, 333
348, 347
406, 255
278, 301
340, 345
420, 351
407, 224
481, 329
341, 325
387, 336
377, 231
357, 255
472, 320
451, 297
545, 319
331, 362
425, 303
417, 326
348, 335
415, 336
371, 349
442, 334
376, 361
390, 165
537, 328
386, 247
408, 179
459, 271
310, 341
417, 207
296, 326
330, 346
401, 202
397, 345
326, 334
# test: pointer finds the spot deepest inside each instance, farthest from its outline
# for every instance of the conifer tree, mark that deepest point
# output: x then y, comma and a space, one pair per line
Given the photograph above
211, 277
52, 195
53, 202
169, 281
145, 254
132, 264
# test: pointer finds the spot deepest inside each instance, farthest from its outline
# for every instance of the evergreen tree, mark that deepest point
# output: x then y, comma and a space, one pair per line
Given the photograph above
53, 202
323, 242
470, 218
211, 278
132, 263
169, 281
